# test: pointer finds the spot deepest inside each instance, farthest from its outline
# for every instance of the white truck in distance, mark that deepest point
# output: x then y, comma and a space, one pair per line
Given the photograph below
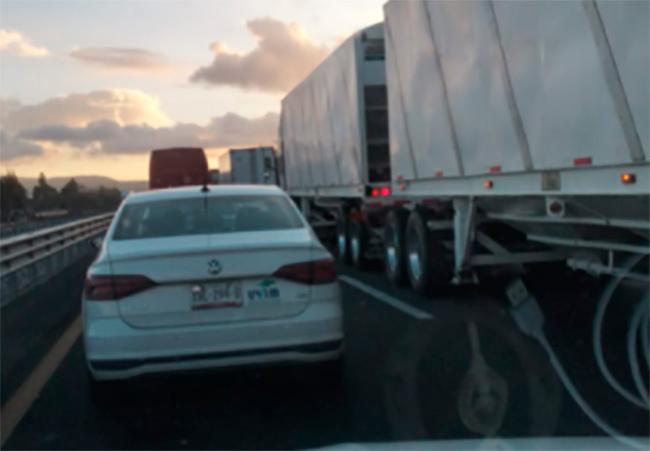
253, 166
518, 134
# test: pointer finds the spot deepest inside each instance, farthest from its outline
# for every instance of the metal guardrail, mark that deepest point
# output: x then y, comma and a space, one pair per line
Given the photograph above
11, 229
19, 251
34, 257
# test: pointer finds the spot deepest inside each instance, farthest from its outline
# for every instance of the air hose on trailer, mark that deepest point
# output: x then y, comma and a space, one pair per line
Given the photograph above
640, 316
530, 319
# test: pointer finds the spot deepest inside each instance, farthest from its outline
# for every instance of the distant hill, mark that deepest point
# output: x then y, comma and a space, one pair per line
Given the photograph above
88, 181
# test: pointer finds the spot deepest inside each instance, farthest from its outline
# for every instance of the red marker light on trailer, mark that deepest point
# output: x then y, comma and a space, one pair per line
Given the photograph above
385, 191
374, 192
582, 161
488, 184
628, 178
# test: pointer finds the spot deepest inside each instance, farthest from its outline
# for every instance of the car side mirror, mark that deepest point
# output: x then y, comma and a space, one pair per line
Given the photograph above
97, 242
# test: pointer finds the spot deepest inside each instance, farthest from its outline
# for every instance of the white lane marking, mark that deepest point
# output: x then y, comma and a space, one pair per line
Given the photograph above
386, 298
16, 408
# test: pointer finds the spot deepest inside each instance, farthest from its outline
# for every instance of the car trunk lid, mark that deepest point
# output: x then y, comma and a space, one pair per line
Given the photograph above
210, 279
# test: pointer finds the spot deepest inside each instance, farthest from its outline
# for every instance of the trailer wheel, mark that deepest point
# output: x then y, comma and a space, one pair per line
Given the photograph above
394, 257
343, 238
358, 244
426, 264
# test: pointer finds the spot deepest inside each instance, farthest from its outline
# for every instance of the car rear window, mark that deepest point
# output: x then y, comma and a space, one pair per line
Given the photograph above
209, 215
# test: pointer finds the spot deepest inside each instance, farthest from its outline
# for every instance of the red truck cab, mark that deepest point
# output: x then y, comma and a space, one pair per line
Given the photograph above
179, 166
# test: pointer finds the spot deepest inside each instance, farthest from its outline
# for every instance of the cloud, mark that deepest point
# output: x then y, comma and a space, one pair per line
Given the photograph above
125, 58
12, 147
8, 106
16, 43
117, 121
123, 106
108, 136
284, 55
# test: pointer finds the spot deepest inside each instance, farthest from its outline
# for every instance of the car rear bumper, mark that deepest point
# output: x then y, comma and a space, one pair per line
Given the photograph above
115, 350
303, 353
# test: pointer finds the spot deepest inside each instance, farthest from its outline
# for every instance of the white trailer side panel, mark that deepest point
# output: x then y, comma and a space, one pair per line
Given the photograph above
324, 146
628, 33
340, 82
474, 71
320, 129
295, 170
421, 142
513, 86
242, 166
559, 78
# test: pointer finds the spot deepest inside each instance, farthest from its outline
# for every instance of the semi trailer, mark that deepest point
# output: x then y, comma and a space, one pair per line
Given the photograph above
255, 165
459, 139
333, 136
177, 166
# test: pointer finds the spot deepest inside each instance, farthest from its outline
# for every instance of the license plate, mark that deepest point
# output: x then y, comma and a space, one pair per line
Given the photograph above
219, 295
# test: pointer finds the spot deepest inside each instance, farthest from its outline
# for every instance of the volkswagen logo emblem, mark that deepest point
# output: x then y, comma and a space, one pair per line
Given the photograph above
214, 267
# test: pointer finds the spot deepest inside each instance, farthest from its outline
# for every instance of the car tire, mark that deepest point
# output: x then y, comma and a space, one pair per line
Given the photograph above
358, 244
394, 256
343, 238
427, 266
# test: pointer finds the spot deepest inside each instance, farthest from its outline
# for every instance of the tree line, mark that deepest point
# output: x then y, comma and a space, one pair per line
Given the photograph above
74, 198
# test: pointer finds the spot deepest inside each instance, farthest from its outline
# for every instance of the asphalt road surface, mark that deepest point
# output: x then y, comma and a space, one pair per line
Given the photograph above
405, 377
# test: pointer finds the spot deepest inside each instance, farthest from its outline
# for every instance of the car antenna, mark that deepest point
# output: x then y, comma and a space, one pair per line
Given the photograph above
205, 189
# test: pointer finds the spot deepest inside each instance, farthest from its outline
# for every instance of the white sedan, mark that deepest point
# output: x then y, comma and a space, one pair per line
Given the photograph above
193, 278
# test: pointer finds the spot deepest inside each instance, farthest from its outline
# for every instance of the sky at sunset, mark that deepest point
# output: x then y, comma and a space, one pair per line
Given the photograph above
89, 87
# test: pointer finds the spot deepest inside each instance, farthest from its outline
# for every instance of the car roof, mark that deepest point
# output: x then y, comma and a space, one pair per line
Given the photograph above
188, 192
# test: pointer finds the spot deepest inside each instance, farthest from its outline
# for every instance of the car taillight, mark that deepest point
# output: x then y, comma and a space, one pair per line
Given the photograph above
324, 271
106, 288
312, 273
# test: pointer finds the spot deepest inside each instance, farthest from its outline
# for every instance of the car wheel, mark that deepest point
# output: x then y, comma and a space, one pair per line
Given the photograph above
358, 244
343, 238
426, 264
394, 260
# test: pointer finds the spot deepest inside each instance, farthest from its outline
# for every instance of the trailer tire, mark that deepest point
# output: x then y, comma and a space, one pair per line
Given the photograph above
358, 244
394, 255
343, 238
426, 265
